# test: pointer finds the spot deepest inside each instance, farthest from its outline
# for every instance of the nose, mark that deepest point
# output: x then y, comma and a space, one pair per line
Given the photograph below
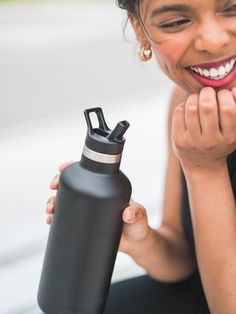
211, 36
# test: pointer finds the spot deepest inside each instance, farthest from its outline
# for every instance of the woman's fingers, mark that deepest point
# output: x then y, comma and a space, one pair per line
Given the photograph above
135, 214
49, 219
56, 179
50, 207
136, 226
54, 182
192, 120
132, 215
227, 108
66, 164
234, 92
178, 126
208, 112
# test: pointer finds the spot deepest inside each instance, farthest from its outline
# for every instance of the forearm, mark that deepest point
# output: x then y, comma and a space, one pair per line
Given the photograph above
214, 222
164, 255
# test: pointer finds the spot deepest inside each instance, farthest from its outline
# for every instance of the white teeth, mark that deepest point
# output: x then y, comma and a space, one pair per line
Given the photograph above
214, 73
221, 71
206, 73
200, 71
228, 67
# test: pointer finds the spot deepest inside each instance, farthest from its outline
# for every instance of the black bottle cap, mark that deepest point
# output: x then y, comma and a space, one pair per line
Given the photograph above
102, 139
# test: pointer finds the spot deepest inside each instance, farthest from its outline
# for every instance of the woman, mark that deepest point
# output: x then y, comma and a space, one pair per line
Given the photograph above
191, 258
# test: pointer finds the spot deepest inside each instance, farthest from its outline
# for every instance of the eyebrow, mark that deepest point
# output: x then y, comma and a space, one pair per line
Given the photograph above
170, 8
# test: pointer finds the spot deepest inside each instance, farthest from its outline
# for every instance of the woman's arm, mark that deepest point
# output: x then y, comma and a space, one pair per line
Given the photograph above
204, 133
214, 222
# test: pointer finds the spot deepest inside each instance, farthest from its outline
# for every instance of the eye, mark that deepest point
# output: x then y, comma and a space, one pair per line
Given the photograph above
231, 9
174, 23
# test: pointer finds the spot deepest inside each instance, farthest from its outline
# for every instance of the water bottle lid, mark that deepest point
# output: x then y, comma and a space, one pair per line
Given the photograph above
102, 139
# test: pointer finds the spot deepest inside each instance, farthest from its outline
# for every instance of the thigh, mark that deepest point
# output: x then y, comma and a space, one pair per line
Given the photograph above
144, 295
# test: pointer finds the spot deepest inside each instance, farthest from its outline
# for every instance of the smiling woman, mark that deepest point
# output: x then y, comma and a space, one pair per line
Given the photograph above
190, 259
194, 32
204, 33
194, 43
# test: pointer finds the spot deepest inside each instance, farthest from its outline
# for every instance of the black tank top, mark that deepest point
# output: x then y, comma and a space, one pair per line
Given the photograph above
186, 216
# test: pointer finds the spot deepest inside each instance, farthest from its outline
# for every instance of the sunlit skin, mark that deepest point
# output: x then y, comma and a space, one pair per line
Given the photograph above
207, 33
203, 130
203, 134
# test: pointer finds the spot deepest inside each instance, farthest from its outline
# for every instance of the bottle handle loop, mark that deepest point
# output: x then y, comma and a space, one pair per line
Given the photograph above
102, 122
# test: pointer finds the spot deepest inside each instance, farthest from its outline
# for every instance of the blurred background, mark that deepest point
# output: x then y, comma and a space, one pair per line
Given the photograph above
58, 58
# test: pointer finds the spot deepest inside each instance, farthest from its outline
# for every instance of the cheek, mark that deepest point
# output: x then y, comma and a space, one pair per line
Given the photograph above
170, 54
231, 26
166, 60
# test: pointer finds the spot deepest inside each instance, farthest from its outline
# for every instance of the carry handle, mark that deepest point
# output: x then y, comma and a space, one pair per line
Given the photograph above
102, 123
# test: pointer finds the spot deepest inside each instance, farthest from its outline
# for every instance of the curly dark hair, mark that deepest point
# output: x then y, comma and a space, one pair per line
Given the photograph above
130, 5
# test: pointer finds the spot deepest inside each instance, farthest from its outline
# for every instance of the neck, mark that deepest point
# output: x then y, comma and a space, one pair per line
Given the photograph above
99, 167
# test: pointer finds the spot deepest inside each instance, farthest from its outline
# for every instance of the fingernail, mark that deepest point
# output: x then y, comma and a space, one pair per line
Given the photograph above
129, 215
138, 214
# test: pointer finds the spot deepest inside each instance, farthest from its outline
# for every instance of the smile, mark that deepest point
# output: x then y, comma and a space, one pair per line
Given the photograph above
217, 74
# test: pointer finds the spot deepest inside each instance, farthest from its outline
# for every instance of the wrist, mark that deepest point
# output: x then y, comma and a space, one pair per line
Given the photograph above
207, 180
201, 170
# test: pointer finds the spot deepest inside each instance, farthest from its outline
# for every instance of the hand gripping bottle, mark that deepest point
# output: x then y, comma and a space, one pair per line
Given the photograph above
86, 229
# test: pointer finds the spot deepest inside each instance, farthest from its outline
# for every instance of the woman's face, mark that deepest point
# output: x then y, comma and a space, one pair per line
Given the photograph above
194, 41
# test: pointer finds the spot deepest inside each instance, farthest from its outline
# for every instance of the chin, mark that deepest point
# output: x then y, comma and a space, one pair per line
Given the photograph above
188, 88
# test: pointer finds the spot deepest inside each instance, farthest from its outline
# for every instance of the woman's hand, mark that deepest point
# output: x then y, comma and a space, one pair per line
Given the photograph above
136, 228
204, 129
134, 217
50, 206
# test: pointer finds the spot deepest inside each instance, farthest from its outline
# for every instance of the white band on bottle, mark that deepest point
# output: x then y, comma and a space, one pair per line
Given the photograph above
99, 157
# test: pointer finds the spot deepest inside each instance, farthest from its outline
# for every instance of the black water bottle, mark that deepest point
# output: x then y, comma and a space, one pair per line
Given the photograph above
87, 225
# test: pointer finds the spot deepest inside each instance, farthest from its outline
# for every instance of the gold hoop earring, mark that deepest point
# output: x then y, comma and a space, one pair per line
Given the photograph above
145, 54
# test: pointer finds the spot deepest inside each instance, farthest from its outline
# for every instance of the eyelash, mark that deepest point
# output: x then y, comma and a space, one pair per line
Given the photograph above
174, 24
232, 8
185, 21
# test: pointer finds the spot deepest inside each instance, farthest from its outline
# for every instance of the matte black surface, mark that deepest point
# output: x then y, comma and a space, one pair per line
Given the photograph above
144, 295
84, 238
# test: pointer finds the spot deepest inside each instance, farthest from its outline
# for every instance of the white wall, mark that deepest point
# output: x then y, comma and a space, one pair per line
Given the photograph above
56, 59
60, 55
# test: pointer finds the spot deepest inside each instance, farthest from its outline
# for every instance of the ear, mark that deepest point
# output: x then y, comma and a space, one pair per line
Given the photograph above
139, 32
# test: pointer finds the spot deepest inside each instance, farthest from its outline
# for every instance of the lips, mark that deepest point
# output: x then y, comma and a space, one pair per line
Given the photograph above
215, 74
212, 64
